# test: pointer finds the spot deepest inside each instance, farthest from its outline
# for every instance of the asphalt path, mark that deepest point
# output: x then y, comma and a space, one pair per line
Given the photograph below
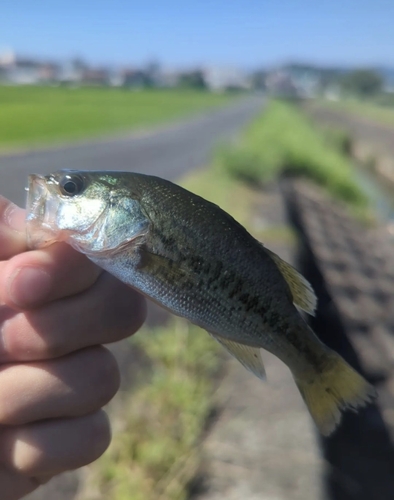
167, 151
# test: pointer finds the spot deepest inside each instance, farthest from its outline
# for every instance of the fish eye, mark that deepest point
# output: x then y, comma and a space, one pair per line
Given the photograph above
71, 185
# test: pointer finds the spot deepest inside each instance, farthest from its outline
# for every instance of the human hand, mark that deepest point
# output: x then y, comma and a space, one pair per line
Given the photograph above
56, 309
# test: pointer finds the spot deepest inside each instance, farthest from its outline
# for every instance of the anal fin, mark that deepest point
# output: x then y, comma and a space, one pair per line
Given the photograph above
249, 357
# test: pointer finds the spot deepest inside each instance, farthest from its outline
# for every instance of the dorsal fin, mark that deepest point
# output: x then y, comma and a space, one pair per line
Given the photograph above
301, 290
249, 357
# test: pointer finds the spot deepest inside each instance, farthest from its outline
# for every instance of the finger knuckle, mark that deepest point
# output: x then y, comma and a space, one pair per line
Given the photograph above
99, 436
27, 337
53, 347
9, 414
128, 312
105, 376
56, 447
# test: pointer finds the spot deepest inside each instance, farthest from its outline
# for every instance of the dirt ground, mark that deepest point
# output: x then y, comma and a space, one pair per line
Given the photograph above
263, 445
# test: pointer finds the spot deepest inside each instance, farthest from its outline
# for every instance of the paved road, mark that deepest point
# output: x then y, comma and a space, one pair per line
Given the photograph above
167, 151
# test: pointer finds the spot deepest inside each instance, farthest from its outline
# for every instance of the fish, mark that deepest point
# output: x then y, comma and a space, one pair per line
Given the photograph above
192, 258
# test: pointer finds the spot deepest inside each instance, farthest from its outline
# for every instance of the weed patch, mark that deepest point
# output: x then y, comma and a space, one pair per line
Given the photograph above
283, 142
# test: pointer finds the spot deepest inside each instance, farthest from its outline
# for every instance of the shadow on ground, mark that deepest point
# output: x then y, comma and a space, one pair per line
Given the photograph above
360, 454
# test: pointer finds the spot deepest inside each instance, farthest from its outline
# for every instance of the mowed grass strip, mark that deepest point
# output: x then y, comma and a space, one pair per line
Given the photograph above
38, 115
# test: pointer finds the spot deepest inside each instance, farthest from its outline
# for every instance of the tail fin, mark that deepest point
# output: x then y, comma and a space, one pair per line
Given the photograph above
336, 388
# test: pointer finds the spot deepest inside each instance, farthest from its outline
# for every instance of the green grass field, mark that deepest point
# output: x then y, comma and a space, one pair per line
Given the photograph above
38, 115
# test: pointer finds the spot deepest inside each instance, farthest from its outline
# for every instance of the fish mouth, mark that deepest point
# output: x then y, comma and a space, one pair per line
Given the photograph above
35, 192
40, 204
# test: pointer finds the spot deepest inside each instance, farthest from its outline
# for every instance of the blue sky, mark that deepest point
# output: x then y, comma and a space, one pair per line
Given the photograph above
248, 33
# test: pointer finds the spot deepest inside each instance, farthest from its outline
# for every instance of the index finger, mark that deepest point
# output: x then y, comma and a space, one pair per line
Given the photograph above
12, 229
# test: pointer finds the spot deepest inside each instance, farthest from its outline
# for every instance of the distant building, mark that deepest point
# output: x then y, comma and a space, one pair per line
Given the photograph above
293, 80
280, 83
71, 72
48, 72
115, 78
135, 78
18, 71
23, 71
226, 78
168, 78
7, 58
96, 77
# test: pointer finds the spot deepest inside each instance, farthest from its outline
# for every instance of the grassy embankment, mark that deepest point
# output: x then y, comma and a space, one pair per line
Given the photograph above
283, 141
31, 116
376, 111
155, 452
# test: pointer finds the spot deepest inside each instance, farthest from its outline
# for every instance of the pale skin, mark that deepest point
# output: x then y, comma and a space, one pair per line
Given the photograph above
56, 311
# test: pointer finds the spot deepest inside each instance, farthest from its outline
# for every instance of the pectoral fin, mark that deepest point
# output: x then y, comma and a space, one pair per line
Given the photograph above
249, 357
301, 290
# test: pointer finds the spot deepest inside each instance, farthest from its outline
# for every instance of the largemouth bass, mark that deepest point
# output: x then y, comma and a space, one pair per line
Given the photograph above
194, 259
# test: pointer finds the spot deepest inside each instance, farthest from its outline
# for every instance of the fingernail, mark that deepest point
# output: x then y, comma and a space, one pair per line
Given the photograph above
29, 286
14, 217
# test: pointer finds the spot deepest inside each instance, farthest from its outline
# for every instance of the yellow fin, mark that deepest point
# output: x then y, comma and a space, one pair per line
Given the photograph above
337, 388
249, 357
301, 290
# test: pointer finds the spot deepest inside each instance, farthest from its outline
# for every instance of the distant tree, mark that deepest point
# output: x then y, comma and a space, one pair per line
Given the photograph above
192, 80
362, 82
330, 77
79, 64
258, 79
